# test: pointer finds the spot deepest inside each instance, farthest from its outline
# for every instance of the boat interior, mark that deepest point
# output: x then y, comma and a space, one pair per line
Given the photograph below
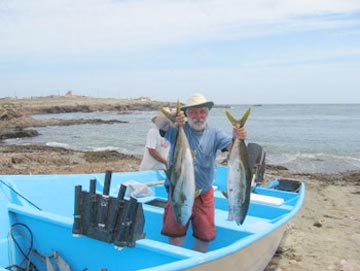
40, 221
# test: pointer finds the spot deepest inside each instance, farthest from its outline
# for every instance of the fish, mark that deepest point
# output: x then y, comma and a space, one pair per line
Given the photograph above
239, 174
181, 174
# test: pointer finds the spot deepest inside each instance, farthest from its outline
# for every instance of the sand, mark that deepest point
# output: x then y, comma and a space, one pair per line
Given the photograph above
324, 235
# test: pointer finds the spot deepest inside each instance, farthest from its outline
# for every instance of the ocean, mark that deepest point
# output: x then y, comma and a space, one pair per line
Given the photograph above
311, 138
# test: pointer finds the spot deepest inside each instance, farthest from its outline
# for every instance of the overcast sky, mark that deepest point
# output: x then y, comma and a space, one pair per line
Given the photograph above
233, 51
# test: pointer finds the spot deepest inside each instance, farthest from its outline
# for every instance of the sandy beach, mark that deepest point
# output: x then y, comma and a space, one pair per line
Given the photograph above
325, 234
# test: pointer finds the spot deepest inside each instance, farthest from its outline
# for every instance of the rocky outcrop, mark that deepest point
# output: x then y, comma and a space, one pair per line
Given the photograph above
74, 103
9, 111
15, 114
8, 133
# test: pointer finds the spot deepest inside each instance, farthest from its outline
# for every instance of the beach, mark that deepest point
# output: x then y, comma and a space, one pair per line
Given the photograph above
324, 235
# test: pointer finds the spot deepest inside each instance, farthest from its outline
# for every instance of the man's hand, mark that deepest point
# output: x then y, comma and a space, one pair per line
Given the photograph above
180, 119
239, 133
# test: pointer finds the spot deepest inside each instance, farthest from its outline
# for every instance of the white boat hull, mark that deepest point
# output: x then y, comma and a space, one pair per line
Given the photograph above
255, 257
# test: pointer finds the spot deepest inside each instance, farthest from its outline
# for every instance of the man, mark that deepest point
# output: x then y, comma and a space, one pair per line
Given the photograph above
156, 147
204, 142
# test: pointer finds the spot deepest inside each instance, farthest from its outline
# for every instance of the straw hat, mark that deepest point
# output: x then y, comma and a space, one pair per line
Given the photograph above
197, 100
157, 118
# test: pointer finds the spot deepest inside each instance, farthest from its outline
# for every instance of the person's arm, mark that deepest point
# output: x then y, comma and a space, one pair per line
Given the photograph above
156, 155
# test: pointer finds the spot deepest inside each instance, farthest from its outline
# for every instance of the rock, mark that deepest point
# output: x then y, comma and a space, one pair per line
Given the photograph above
17, 133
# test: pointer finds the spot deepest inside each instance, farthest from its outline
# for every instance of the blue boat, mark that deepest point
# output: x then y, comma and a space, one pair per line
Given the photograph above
44, 223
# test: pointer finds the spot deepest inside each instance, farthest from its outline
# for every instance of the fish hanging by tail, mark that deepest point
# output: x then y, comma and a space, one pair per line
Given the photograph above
239, 174
181, 174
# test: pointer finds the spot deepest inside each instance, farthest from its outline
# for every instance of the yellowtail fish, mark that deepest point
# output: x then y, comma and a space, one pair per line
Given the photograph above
181, 174
239, 174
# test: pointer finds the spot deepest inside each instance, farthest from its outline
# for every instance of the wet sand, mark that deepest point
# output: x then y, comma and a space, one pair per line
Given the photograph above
324, 235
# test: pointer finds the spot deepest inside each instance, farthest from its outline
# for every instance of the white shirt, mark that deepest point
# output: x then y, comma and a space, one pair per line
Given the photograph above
154, 141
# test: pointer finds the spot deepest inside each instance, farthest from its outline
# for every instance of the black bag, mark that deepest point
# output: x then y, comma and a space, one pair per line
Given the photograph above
256, 158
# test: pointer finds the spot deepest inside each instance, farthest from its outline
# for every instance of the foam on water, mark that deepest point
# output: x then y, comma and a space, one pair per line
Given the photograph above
57, 144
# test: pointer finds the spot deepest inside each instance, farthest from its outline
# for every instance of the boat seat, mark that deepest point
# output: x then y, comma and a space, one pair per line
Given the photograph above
258, 198
24, 211
221, 220
166, 248
266, 199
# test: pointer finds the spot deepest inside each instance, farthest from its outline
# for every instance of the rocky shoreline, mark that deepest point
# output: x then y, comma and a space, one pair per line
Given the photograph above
324, 235
16, 114
74, 103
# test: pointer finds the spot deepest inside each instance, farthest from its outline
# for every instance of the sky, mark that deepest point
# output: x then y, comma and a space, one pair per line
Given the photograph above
232, 51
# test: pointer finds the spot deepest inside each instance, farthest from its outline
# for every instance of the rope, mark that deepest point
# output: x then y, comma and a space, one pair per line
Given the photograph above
17, 193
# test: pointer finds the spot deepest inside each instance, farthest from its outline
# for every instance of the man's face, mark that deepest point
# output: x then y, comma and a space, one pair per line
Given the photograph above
197, 117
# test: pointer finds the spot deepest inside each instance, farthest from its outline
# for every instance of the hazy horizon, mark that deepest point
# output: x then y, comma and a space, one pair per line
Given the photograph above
152, 99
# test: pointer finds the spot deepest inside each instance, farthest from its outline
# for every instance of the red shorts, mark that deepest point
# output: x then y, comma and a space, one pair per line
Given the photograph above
202, 219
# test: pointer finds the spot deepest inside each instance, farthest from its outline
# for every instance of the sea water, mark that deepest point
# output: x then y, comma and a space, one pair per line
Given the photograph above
309, 138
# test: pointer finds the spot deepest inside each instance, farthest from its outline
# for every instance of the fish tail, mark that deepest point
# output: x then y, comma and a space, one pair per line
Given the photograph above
231, 118
225, 194
170, 115
238, 122
178, 106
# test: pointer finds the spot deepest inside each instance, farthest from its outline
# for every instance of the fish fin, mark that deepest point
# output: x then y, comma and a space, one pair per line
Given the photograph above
182, 197
168, 175
198, 192
239, 123
225, 194
193, 153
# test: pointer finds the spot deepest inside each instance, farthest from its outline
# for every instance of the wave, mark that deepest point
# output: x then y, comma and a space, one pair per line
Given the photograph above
106, 148
58, 144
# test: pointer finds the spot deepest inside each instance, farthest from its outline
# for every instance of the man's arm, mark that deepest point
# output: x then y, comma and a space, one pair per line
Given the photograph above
156, 155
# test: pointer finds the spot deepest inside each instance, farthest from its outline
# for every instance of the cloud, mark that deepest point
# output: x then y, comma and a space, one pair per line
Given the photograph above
270, 50
42, 28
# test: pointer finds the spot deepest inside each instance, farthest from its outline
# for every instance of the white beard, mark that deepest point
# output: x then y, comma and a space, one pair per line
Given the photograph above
197, 124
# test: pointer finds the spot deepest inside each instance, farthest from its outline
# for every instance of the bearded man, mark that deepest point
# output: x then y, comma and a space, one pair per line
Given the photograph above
204, 142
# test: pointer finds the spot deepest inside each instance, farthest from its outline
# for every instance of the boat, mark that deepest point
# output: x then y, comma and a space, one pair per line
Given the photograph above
45, 222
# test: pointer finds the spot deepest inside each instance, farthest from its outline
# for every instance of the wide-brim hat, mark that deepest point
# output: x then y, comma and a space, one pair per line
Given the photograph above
197, 100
